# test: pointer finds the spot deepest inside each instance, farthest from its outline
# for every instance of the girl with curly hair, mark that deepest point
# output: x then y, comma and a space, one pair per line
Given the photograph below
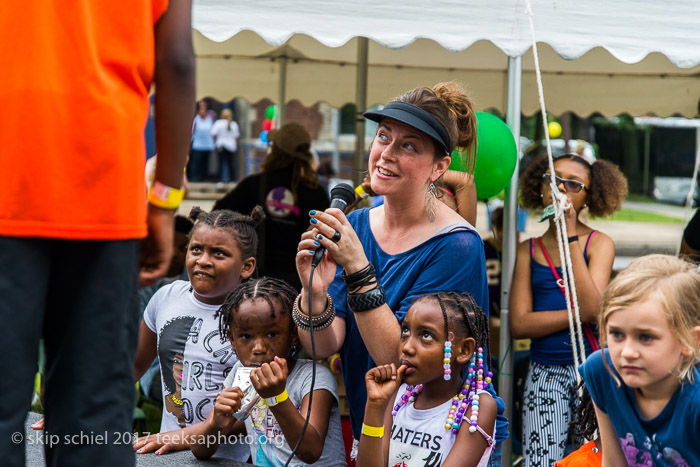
537, 302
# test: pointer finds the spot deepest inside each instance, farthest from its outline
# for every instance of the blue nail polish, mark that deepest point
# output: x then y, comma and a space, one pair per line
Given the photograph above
312, 251
319, 236
313, 221
316, 243
313, 213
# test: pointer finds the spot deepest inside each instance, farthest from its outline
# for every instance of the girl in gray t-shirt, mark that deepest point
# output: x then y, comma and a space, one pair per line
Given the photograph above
257, 318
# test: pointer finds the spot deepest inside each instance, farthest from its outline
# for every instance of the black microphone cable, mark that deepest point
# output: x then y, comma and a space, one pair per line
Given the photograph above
341, 195
313, 370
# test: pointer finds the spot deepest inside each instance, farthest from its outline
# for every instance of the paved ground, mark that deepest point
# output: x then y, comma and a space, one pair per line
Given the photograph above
35, 453
670, 210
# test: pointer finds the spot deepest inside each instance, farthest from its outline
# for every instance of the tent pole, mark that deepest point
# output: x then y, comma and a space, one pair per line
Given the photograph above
510, 222
282, 90
358, 166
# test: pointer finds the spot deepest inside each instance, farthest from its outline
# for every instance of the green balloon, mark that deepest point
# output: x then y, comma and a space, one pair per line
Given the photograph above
496, 155
270, 112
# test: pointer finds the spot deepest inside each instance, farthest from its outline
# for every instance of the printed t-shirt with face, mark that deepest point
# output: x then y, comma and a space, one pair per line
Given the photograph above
268, 445
193, 360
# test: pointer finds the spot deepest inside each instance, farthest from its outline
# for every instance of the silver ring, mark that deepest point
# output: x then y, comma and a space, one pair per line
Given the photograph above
336, 237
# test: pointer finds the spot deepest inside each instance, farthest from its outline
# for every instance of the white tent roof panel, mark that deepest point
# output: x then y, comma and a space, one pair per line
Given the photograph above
414, 44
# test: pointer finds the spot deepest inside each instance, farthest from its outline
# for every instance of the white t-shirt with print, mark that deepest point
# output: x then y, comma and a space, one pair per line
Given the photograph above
194, 362
419, 437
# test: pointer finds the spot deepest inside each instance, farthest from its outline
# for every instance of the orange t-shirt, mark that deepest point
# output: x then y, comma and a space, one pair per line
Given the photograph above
587, 455
74, 86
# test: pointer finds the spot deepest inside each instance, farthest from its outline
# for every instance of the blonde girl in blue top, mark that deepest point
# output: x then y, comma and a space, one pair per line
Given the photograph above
645, 384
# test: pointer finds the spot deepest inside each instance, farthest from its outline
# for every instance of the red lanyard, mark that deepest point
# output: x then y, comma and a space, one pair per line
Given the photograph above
588, 331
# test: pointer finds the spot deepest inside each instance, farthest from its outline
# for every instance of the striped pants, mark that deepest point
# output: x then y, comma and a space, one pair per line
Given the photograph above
549, 404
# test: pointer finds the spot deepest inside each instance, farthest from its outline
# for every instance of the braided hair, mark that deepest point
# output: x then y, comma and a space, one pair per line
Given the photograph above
240, 226
463, 309
268, 288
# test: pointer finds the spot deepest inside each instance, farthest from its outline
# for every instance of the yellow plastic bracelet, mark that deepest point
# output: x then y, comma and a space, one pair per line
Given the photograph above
164, 196
373, 431
273, 401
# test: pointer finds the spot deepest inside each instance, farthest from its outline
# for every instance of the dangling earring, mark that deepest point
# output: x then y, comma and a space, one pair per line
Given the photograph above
431, 202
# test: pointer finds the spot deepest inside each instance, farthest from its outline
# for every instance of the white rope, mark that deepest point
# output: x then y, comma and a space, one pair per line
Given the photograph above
560, 204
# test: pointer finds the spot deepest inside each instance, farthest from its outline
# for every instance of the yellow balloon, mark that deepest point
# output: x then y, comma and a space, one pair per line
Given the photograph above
554, 130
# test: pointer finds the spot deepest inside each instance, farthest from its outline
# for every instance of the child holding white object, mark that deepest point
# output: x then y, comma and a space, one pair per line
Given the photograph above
257, 318
648, 401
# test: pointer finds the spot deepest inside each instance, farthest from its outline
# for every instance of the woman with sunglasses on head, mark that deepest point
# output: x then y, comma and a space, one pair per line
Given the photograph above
538, 305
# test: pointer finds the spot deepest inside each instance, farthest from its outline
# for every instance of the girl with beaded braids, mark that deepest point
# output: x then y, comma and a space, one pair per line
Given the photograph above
220, 255
256, 319
442, 414
537, 305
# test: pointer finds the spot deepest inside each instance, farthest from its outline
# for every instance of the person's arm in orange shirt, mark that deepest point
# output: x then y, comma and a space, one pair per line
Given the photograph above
174, 101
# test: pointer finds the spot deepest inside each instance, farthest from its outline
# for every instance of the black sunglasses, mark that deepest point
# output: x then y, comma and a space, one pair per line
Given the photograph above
571, 186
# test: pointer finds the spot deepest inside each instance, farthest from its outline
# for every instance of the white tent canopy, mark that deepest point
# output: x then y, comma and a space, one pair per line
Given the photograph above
635, 56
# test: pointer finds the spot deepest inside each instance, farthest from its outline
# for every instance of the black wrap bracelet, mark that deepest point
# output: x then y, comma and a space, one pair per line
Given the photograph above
362, 278
366, 301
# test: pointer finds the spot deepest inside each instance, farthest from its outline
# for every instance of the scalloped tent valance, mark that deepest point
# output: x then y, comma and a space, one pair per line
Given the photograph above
635, 56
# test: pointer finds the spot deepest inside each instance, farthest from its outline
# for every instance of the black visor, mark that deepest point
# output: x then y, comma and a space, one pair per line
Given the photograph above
414, 117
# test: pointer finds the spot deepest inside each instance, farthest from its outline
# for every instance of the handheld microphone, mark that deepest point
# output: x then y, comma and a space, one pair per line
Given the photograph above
341, 195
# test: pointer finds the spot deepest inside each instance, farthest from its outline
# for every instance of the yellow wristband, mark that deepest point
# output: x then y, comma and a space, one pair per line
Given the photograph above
273, 401
164, 196
373, 431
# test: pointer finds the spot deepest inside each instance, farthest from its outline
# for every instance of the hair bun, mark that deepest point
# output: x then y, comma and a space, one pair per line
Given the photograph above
195, 213
257, 215
463, 110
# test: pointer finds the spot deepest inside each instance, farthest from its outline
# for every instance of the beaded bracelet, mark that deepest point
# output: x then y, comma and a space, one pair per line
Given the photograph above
318, 322
368, 300
362, 278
